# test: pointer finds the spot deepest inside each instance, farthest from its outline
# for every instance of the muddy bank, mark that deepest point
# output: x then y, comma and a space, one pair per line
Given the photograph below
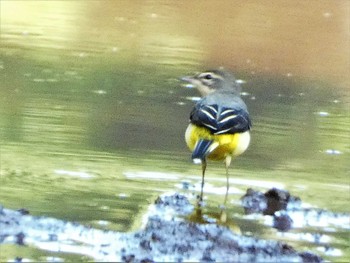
166, 236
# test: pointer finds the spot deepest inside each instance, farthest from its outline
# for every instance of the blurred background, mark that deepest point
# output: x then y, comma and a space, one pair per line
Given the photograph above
92, 114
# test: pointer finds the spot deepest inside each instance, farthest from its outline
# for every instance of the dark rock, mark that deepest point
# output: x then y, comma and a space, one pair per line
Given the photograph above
176, 202
128, 258
53, 237
20, 239
282, 221
272, 201
254, 202
2, 210
269, 203
145, 244
207, 255
146, 260
23, 211
309, 257
287, 249
276, 200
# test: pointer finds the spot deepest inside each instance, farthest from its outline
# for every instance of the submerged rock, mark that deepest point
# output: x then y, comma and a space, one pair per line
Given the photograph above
274, 202
282, 221
268, 203
278, 199
254, 202
287, 211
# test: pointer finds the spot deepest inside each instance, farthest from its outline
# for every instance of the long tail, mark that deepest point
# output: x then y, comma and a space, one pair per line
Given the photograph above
202, 149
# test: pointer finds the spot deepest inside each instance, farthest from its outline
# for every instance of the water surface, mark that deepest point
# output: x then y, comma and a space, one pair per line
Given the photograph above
92, 114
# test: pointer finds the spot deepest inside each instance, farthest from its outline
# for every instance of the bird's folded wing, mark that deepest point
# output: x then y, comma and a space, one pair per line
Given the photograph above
221, 120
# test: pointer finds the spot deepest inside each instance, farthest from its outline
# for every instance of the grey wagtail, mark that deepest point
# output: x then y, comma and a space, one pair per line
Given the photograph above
219, 122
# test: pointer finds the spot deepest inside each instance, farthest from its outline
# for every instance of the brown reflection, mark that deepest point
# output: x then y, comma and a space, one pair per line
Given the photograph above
307, 38
303, 38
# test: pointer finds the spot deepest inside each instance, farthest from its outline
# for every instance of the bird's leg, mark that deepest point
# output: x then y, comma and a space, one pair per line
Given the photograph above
204, 166
198, 215
227, 165
223, 216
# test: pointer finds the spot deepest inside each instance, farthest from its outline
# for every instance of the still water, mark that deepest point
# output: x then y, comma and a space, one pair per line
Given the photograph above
92, 115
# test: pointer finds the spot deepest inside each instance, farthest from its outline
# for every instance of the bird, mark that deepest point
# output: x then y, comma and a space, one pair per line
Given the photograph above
220, 124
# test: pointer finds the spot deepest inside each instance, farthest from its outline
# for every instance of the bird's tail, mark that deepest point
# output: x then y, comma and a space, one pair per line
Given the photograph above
202, 149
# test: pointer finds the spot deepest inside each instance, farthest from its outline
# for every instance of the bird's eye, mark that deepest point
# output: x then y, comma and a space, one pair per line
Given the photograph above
208, 76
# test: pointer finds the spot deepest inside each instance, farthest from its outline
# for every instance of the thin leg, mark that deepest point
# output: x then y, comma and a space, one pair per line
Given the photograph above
223, 216
227, 165
204, 166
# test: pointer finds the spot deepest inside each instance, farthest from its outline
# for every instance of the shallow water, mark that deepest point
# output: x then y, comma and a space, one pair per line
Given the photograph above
92, 114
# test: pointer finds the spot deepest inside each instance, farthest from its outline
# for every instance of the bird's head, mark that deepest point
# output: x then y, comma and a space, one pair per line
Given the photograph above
212, 80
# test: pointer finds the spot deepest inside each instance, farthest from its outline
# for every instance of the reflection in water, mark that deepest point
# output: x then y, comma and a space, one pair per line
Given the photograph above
303, 39
92, 115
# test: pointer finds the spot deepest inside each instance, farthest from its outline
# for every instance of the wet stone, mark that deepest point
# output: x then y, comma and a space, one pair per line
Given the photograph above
23, 211
268, 203
53, 237
177, 202
1, 210
309, 257
20, 239
276, 200
145, 244
254, 202
282, 222
128, 258
207, 255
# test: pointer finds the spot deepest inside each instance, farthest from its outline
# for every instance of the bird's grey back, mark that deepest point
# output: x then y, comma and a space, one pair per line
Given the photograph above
226, 99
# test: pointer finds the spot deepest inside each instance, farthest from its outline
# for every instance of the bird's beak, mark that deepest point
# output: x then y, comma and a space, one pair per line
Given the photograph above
190, 81
187, 78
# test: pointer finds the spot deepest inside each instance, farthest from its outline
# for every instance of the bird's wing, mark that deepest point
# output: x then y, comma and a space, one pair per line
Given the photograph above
221, 119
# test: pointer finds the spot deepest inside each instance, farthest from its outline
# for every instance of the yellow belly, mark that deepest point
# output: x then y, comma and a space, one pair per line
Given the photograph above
228, 144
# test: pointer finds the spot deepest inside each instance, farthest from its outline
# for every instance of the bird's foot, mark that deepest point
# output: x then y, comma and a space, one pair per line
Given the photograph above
223, 214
